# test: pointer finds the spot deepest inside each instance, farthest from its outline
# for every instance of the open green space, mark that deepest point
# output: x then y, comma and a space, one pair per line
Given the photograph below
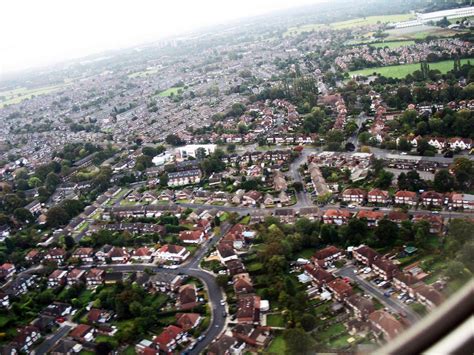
371, 20
277, 346
14, 96
361, 21
169, 92
401, 71
275, 320
392, 44
144, 73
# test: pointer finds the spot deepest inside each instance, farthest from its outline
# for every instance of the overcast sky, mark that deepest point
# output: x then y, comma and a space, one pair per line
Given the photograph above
40, 32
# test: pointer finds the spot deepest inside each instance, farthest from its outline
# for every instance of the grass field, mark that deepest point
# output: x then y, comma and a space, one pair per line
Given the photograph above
393, 44
371, 20
277, 346
401, 71
362, 21
418, 32
15, 96
169, 92
143, 73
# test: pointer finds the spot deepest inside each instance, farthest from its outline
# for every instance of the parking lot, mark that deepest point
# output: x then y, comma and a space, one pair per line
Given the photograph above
385, 293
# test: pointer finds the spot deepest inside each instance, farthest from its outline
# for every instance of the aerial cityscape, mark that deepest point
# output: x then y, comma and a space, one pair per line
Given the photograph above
294, 182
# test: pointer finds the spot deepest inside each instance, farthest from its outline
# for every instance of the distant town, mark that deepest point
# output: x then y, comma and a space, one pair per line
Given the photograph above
300, 184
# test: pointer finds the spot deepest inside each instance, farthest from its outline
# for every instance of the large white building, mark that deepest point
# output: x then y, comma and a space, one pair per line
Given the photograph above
191, 149
435, 16
162, 158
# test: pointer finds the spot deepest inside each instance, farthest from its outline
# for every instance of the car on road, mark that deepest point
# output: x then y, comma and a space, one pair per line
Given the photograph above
201, 337
401, 295
409, 301
375, 208
403, 153
222, 302
224, 314
351, 206
387, 294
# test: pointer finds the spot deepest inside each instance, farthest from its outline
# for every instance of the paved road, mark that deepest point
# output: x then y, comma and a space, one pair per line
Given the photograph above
191, 268
392, 303
50, 341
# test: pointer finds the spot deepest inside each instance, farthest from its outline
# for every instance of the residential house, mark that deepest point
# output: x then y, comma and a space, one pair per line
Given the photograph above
242, 283
225, 345
432, 198
338, 217
56, 255
192, 237
327, 255
165, 282
435, 221
188, 321
169, 338
384, 323
252, 197
174, 253
354, 195
57, 278
143, 255
378, 196
384, 268
75, 276
310, 213
405, 282
187, 296
340, 289
96, 315
83, 333
255, 337
248, 309
166, 195
33, 256
186, 177
372, 217
118, 255
464, 201
428, 296
403, 197
225, 252
184, 194
286, 215
7, 270
318, 275
397, 217
85, 255
235, 266
95, 277
360, 306
26, 337
365, 255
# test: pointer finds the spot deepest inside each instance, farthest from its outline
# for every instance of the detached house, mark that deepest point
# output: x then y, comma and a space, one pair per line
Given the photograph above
170, 252
192, 237
188, 321
248, 309
187, 296
83, 333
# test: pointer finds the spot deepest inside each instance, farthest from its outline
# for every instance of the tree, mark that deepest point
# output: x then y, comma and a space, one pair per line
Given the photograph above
57, 216
298, 341
164, 180
52, 180
69, 242
23, 215
103, 348
298, 186
455, 270
222, 280
174, 140
386, 233
463, 169
384, 179
200, 153
364, 138
231, 148
34, 181
443, 181
308, 322
422, 234
404, 145
423, 147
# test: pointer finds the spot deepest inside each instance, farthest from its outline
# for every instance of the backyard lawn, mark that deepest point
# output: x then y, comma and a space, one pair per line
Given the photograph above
275, 320
277, 346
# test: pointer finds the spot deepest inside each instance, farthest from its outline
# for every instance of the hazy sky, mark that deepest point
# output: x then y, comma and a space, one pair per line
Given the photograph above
39, 32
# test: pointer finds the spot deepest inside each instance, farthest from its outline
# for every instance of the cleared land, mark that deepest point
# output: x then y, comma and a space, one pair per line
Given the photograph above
393, 44
17, 95
143, 73
419, 32
401, 71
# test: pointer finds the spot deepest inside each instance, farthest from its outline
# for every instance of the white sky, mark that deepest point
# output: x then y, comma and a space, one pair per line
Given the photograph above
40, 32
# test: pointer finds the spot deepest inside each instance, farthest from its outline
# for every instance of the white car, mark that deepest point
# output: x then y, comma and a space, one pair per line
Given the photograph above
367, 270
222, 302
351, 206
